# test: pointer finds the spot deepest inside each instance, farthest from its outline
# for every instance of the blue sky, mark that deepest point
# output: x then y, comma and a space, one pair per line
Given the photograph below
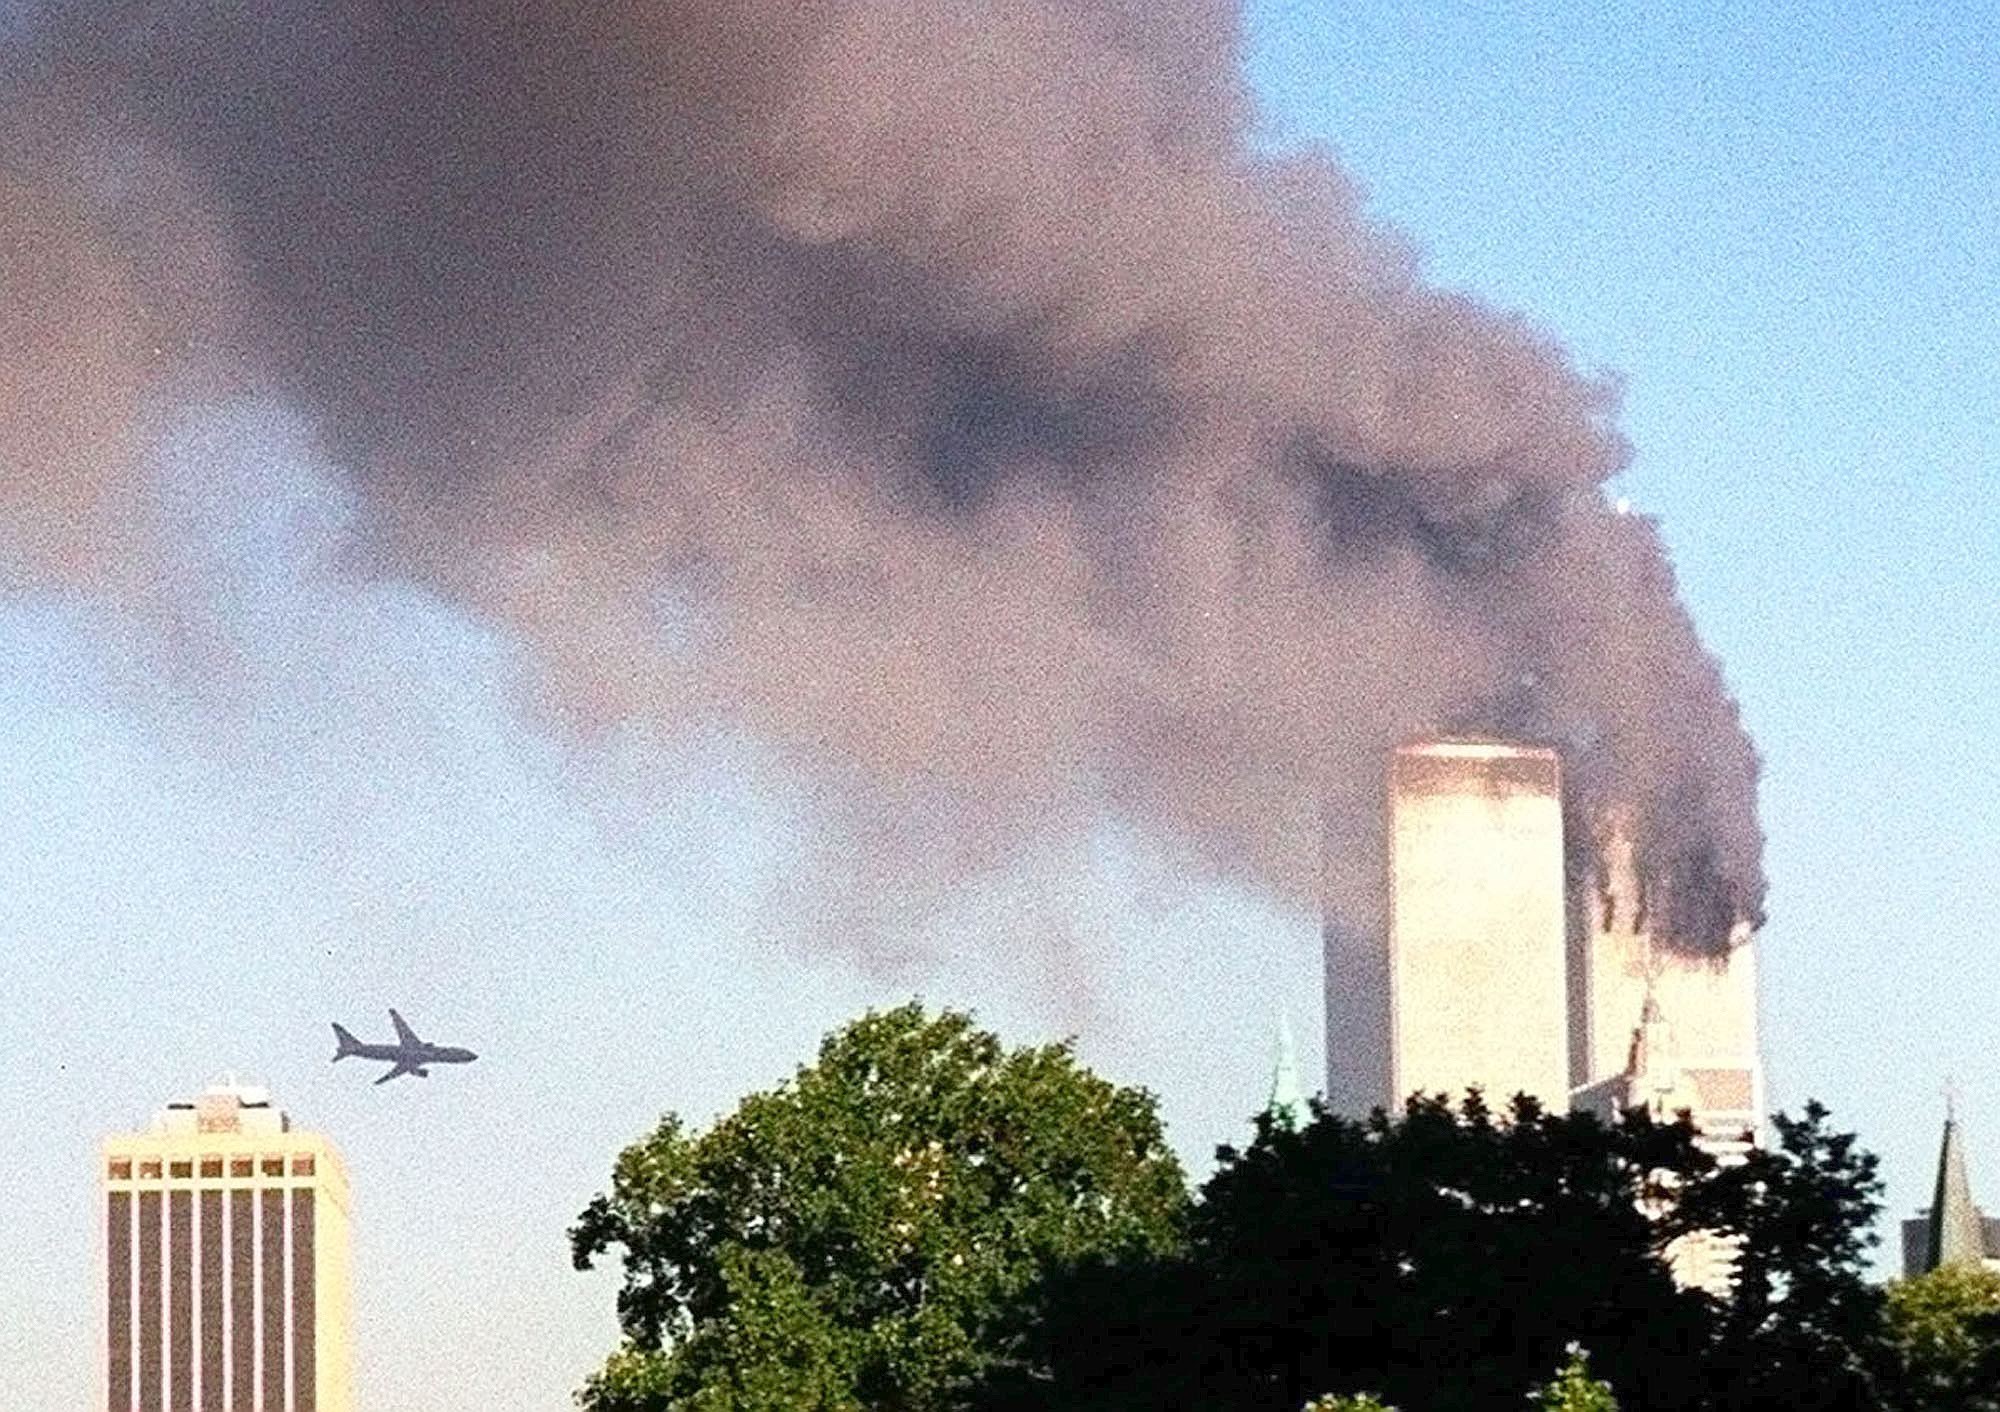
1781, 229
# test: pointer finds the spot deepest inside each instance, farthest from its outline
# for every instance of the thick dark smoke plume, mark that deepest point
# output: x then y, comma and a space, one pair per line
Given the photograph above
941, 389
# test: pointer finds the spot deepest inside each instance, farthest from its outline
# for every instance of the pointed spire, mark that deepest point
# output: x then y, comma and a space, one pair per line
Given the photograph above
1957, 1234
1287, 1105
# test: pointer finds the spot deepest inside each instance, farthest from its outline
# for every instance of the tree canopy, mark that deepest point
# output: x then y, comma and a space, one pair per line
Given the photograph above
1802, 1328
868, 1234
1444, 1260
923, 1219
1944, 1334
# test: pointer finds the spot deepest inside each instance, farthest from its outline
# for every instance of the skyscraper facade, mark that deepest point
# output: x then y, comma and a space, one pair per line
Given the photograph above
1477, 917
226, 1263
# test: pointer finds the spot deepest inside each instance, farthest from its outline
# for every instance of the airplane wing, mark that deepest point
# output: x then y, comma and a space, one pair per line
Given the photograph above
396, 1072
405, 1036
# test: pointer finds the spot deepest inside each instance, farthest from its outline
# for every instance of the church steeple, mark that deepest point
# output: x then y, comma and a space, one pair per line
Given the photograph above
1287, 1105
1957, 1234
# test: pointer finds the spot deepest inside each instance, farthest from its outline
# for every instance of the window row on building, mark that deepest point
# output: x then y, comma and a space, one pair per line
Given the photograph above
210, 1167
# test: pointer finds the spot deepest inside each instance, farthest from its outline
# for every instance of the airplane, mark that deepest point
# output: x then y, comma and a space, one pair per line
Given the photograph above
408, 1055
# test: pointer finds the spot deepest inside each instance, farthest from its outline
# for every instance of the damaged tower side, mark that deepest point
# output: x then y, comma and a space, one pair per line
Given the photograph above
1657, 1023
1660, 1025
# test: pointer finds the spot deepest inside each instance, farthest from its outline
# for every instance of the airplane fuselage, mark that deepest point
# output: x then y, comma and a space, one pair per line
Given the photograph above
415, 1055
408, 1055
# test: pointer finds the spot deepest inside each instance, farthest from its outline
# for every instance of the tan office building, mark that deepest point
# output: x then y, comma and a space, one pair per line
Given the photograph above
1477, 922
226, 1263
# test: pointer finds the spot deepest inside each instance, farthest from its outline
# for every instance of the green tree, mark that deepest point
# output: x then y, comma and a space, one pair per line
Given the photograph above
1446, 1257
1944, 1331
1802, 1328
1573, 1389
869, 1233
1443, 1259
1358, 1402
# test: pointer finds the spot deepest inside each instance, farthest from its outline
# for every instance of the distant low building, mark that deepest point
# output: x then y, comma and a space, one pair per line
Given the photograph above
226, 1263
1952, 1230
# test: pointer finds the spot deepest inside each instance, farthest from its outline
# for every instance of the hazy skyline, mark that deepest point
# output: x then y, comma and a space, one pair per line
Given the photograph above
1780, 238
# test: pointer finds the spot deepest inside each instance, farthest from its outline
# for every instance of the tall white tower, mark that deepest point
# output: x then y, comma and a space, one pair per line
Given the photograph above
1472, 988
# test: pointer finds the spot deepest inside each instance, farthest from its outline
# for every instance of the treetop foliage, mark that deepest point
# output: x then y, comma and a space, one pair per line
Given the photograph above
1944, 1331
1356, 1402
1444, 1259
1573, 1389
864, 1233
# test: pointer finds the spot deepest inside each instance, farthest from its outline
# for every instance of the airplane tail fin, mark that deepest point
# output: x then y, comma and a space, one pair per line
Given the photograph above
344, 1044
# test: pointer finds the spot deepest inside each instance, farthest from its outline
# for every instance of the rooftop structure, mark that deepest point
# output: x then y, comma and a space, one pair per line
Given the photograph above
226, 1262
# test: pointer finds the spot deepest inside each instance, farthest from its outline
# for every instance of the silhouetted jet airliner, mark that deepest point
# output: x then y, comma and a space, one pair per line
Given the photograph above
408, 1055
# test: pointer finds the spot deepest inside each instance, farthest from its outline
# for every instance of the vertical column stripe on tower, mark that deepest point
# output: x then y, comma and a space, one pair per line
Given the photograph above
118, 1301
214, 1334
242, 1302
150, 1296
305, 1379
180, 1301
272, 1249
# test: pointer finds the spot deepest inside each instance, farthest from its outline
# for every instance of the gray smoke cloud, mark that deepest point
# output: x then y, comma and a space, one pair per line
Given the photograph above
944, 392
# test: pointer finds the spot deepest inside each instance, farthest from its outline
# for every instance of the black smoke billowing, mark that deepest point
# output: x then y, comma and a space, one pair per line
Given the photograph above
1018, 435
